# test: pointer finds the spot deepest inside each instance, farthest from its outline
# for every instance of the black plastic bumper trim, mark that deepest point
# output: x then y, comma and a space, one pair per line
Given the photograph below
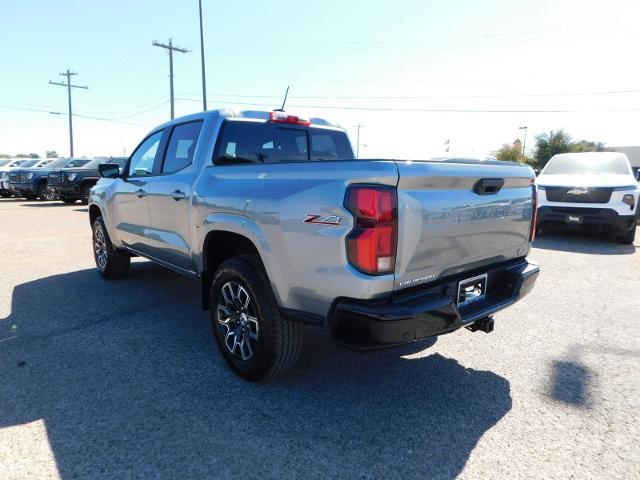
374, 324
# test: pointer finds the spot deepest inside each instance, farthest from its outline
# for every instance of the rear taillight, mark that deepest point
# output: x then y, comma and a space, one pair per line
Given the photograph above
534, 215
371, 245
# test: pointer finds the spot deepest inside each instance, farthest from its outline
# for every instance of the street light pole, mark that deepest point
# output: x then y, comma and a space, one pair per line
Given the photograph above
204, 80
524, 143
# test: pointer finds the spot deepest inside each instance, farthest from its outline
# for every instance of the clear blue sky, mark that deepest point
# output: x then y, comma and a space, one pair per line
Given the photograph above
467, 56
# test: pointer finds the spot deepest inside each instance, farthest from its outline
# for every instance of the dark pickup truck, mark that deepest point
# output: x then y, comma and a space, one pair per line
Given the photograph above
73, 184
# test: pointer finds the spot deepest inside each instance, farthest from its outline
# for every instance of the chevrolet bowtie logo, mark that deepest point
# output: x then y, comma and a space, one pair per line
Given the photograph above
577, 191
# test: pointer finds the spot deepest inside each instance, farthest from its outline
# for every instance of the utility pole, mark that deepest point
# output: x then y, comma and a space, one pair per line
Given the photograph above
170, 48
358, 141
204, 80
69, 86
524, 143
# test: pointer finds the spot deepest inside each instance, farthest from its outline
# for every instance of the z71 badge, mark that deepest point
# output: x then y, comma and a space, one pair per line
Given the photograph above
322, 219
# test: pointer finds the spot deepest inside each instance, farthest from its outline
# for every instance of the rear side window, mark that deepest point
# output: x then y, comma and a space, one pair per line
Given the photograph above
182, 146
258, 142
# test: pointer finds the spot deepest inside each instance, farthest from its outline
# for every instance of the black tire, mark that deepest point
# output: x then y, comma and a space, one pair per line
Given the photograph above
30, 196
69, 201
84, 194
627, 238
276, 343
111, 263
42, 191
5, 194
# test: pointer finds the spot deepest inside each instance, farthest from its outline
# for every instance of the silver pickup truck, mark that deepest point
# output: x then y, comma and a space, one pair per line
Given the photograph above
283, 227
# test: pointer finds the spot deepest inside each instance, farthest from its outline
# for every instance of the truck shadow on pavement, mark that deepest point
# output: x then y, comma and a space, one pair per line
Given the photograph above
594, 243
128, 382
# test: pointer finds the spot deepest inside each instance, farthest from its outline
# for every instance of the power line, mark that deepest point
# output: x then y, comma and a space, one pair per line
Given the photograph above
417, 97
170, 48
442, 110
69, 86
11, 107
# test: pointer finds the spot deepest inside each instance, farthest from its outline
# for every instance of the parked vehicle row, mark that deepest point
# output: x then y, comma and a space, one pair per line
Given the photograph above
66, 179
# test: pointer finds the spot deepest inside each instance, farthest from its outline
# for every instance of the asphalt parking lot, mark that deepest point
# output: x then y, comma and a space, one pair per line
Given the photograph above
123, 380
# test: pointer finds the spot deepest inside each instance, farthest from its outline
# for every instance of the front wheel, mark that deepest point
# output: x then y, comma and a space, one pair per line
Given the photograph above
84, 194
111, 263
42, 191
256, 341
628, 237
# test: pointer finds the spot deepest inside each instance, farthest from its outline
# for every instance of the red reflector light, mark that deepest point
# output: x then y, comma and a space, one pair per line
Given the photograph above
281, 117
371, 245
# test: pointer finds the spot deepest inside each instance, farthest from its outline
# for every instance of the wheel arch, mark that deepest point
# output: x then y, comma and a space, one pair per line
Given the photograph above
220, 245
94, 212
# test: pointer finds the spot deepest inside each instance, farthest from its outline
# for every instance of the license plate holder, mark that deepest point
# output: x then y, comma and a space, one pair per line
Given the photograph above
573, 219
471, 290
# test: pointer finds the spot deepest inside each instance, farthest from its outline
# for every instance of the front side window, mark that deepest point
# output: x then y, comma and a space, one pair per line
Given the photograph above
144, 157
182, 146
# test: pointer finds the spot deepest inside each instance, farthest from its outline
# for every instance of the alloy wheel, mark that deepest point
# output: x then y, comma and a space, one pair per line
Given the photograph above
237, 320
100, 247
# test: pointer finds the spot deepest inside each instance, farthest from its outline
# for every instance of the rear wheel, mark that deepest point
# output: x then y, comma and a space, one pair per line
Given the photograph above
111, 263
628, 237
255, 340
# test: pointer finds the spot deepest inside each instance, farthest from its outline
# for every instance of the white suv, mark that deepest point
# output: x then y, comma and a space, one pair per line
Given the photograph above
594, 190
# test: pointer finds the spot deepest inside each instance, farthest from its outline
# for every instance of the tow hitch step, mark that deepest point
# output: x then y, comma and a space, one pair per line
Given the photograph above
484, 324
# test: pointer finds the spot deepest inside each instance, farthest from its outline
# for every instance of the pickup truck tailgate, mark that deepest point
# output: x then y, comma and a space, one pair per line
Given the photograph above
452, 220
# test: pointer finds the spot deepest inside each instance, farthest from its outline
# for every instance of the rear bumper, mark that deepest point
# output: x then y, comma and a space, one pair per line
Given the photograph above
604, 219
428, 312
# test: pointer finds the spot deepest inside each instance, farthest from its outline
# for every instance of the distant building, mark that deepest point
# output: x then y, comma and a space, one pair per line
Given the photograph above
632, 153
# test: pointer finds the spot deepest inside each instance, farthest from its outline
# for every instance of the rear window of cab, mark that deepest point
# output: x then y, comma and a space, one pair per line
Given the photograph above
247, 142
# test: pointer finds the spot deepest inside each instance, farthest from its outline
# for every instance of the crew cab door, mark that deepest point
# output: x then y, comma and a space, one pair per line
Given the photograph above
169, 197
130, 205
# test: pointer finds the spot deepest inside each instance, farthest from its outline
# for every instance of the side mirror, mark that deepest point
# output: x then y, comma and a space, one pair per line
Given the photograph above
109, 170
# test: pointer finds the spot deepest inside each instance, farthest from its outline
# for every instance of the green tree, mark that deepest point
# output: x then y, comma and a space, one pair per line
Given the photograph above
509, 153
22, 155
34, 155
4, 155
51, 154
586, 146
549, 144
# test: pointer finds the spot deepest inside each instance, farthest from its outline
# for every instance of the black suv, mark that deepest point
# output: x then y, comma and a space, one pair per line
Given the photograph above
73, 184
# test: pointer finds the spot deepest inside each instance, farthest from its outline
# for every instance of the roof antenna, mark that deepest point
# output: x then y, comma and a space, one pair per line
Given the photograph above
281, 109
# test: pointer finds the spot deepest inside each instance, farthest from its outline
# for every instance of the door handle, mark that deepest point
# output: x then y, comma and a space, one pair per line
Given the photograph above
141, 193
178, 195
